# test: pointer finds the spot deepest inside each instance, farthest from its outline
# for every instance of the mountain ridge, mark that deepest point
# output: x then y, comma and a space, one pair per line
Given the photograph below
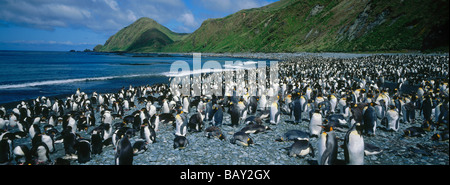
311, 26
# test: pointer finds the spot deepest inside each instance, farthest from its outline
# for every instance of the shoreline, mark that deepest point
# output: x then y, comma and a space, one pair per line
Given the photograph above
202, 150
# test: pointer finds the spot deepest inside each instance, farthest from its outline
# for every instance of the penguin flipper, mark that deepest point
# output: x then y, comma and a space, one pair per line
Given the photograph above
312, 150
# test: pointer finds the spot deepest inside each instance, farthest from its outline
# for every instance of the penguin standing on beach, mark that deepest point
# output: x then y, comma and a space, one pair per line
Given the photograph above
180, 124
370, 120
22, 155
274, 113
392, 119
83, 148
96, 142
41, 153
5, 149
124, 152
218, 115
315, 124
297, 111
327, 146
354, 145
235, 114
427, 107
195, 123
148, 133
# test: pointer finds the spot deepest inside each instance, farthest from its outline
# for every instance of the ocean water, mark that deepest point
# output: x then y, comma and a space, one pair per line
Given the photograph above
26, 75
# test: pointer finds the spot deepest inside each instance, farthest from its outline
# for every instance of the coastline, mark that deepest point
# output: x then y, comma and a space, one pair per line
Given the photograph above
274, 153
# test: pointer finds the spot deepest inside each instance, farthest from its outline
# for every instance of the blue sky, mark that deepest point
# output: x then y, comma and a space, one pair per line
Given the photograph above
61, 25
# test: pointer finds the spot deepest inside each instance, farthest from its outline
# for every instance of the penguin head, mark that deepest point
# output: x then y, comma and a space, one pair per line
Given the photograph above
249, 141
435, 137
359, 128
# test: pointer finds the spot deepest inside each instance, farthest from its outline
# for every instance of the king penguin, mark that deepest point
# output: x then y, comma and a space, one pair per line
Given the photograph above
354, 145
315, 123
393, 119
370, 120
124, 152
297, 112
274, 113
327, 146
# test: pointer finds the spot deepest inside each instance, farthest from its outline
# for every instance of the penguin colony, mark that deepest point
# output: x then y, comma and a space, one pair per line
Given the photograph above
325, 111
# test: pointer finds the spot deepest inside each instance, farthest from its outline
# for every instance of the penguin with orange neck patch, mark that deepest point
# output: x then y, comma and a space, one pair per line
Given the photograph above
327, 146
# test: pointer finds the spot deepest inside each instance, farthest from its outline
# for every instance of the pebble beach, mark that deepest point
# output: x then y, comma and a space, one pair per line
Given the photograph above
399, 77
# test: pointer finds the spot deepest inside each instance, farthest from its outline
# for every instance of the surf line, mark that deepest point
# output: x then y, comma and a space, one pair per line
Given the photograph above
210, 78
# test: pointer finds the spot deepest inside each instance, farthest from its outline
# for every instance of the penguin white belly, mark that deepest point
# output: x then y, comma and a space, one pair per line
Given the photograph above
356, 149
392, 117
180, 129
321, 145
273, 113
147, 135
48, 141
305, 152
42, 154
333, 103
315, 123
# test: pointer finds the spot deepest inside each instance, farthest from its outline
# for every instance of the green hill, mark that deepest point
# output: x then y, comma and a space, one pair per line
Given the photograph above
307, 25
143, 34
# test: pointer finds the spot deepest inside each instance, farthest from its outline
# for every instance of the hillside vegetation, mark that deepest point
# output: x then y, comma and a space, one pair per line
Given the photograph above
303, 26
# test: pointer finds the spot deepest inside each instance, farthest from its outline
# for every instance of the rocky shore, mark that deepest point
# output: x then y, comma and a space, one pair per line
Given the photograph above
340, 77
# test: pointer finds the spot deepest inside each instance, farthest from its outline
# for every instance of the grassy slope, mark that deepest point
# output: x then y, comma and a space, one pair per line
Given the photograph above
133, 37
349, 26
302, 25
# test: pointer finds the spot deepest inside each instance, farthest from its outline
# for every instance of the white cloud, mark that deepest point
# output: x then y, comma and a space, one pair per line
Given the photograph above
231, 6
49, 42
104, 16
112, 4
188, 19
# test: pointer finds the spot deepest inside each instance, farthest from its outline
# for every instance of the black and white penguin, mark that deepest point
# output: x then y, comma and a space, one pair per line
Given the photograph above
195, 123
370, 149
297, 111
5, 149
124, 152
22, 155
180, 142
96, 142
241, 138
275, 113
393, 119
83, 148
218, 115
69, 140
41, 153
148, 133
315, 124
180, 124
293, 135
255, 128
34, 130
443, 136
354, 145
414, 132
370, 120
252, 105
214, 132
301, 148
235, 114
327, 147
427, 107
140, 146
